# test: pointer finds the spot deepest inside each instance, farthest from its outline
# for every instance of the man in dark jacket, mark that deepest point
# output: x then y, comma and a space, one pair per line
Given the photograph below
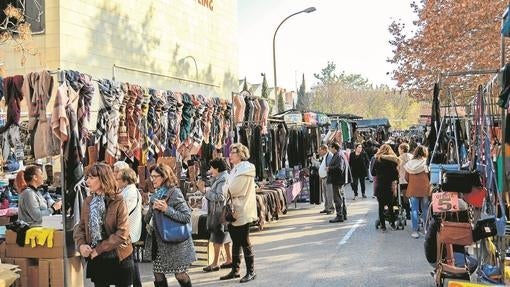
336, 177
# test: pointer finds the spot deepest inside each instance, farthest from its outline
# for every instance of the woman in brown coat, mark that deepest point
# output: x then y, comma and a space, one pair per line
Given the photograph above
102, 235
418, 188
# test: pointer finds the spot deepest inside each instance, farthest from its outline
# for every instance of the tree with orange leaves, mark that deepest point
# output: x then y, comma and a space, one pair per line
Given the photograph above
449, 35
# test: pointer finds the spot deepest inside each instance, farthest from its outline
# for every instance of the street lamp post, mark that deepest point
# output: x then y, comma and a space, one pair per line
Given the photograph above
194, 61
307, 10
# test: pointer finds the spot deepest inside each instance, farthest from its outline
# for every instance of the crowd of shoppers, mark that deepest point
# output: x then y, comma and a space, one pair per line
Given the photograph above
111, 218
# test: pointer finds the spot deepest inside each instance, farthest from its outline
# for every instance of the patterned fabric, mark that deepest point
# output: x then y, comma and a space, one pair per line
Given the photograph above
96, 219
83, 85
107, 128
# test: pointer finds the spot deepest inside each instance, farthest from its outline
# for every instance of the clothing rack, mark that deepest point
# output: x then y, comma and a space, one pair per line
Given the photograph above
160, 75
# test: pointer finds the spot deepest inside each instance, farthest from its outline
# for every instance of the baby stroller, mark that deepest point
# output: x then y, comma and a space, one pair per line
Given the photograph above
398, 211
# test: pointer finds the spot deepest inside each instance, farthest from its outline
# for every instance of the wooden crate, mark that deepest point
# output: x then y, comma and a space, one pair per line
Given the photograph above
204, 251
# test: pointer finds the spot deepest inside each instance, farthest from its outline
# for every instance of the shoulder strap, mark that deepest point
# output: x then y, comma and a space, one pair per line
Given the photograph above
137, 200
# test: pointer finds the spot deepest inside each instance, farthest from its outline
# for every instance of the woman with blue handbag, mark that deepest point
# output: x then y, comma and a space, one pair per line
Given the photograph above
168, 201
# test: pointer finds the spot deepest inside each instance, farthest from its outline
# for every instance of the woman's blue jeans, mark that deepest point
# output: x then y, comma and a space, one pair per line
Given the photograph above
416, 202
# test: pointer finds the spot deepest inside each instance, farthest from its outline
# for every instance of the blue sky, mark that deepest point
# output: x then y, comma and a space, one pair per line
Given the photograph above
351, 33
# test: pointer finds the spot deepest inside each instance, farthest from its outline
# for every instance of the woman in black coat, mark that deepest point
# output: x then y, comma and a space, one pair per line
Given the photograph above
385, 169
358, 162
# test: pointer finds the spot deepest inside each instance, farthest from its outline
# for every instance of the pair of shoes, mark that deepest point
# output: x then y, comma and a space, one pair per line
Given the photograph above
230, 275
329, 212
323, 211
383, 230
393, 227
226, 265
415, 235
364, 196
248, 277
354, 198
211, 268
336, 220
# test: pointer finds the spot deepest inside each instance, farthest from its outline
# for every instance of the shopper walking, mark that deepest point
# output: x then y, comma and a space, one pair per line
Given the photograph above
169, 258
418, 188
215, 202
327, 188
358, 162
126, 181
240, 188
385, 170
102, 235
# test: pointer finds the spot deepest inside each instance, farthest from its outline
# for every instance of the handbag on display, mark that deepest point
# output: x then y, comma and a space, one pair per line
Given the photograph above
461, 181
437, 168
170, 230
484, 228
458, 233
476, 197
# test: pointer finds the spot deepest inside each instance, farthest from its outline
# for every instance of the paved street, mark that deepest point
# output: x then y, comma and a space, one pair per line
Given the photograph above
304, 249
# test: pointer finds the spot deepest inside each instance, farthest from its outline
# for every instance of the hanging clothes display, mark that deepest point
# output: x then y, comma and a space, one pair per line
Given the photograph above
64, 123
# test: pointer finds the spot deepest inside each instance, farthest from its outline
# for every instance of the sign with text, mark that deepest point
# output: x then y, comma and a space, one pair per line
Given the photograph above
461, 283
445, 201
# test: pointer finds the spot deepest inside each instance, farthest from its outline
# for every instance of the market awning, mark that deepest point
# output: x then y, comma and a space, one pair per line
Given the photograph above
373, 123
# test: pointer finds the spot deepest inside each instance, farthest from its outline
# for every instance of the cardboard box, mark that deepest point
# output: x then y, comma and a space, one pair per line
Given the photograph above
44, 273
33, 276
3, 248
25, 264
13, 250
51, 272
57, 251
58, 238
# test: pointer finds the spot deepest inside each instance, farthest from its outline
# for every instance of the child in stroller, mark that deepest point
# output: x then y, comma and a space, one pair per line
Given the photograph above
398, 218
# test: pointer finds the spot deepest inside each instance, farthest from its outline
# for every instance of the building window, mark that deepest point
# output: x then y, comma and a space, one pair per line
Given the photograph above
33, 14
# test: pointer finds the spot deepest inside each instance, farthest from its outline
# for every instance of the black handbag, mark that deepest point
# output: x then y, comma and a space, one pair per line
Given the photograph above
485, 228
227, 213
461, 181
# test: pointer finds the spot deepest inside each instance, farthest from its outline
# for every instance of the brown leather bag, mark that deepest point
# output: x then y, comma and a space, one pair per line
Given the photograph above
458, 233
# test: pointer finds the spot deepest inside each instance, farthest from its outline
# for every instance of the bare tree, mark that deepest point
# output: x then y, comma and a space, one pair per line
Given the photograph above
15, 27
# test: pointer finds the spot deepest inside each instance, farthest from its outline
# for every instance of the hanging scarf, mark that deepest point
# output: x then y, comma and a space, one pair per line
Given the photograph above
96, 218
13, 97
